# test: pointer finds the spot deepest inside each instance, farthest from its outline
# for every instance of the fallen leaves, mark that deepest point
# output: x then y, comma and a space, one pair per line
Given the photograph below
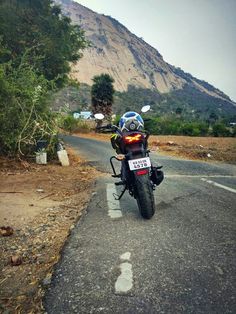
16, 260
6, 231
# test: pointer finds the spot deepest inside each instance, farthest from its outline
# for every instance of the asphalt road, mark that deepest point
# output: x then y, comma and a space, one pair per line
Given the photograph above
180, 261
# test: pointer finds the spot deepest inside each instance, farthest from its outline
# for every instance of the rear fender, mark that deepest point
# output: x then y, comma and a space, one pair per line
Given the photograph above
137, 177
132, 176
135, 149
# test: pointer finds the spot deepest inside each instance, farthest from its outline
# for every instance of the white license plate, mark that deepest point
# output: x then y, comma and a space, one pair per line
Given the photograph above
141, 163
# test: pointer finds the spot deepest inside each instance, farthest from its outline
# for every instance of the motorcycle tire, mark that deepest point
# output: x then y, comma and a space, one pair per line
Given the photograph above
144, 196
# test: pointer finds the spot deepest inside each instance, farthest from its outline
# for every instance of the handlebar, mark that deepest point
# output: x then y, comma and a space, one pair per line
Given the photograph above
102, 127
109, 128
114, 128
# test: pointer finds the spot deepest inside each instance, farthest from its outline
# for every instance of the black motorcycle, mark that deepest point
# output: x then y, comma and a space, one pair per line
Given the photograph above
138, 175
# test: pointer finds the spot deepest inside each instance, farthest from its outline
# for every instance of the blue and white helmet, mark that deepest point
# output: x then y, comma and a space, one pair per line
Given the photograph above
131, 121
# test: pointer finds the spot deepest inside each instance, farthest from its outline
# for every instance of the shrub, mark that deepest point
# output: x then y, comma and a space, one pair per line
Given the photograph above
69, 123
219, 129
85, 126
169, 125
24, 117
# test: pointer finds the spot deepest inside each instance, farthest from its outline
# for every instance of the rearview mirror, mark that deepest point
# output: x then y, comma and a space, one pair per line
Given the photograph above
99, 116
145, 108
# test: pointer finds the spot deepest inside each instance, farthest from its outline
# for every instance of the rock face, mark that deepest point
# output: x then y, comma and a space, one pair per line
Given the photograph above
127, 58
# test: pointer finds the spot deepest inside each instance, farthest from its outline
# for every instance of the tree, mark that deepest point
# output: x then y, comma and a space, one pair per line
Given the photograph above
102, 94
219, 129
37, 45
213, 117
39, 28
179, 111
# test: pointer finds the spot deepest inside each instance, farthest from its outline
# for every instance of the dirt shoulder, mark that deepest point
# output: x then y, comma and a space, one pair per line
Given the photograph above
221, 149
41, 204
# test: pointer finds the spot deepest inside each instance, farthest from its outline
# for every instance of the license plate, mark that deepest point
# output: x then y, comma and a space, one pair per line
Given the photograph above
141, 163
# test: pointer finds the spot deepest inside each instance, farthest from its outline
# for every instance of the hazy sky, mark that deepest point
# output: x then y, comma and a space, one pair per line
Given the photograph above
197, 35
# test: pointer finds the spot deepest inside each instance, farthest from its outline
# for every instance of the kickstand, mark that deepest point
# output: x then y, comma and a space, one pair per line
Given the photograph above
117, 197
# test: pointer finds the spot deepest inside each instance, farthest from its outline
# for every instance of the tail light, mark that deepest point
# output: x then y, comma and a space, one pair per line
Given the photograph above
133, 138
142, 172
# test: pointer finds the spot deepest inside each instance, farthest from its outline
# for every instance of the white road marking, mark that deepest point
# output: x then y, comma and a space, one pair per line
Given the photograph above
114, 213
124, 282
219, 185
126, 256
113, 205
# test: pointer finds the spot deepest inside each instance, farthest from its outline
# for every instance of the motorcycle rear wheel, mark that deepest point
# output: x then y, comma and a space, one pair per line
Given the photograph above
144, 196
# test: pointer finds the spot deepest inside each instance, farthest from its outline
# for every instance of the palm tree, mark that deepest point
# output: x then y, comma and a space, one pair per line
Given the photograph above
102, 95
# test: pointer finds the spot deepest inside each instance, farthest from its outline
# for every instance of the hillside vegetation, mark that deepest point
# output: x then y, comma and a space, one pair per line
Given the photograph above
170, 114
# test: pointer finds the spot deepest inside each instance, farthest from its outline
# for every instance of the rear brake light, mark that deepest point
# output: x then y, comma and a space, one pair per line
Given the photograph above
141, 172
134, 138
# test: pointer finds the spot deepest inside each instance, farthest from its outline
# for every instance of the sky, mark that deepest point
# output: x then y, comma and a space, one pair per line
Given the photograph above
198, 36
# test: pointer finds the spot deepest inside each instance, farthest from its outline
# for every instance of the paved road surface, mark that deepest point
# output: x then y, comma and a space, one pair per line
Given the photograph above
180, 261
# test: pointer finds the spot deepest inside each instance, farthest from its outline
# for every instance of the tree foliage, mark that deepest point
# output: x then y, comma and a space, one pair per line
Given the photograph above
102, 94
37, 44
40, 28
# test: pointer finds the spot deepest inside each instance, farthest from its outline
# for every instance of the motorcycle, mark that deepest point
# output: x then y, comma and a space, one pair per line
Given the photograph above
138, 175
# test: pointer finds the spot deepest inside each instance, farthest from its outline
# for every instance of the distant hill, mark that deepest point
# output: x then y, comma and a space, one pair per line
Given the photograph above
135, 65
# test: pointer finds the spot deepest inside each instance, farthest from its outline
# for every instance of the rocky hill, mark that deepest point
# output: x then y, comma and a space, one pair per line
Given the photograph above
131, 61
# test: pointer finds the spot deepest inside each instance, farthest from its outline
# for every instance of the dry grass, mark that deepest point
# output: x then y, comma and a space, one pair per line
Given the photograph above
220, 148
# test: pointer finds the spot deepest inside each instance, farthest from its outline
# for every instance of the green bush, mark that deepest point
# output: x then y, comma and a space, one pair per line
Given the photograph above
84, 126
219, 129
69, 123
233, 131
190, 129
72, 125
171, 125
24, 116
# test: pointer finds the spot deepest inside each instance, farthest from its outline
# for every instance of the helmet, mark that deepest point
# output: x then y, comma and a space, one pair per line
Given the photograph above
131, 121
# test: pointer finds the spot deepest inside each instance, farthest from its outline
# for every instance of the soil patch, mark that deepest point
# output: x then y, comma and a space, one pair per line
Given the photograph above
41, 204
